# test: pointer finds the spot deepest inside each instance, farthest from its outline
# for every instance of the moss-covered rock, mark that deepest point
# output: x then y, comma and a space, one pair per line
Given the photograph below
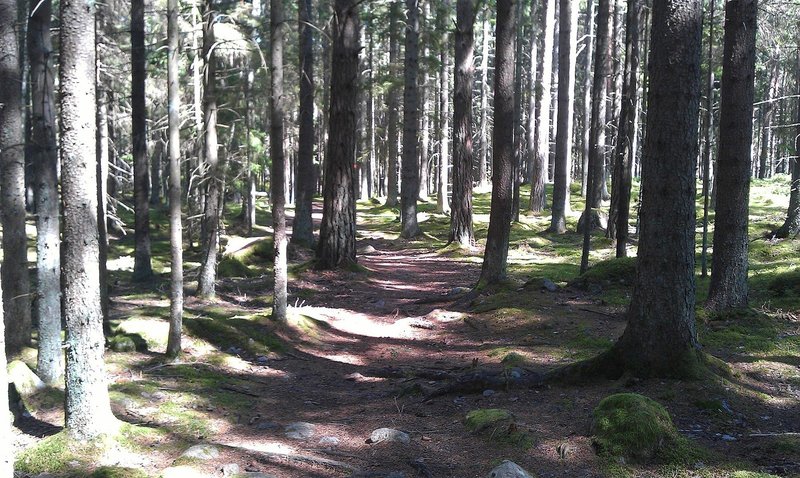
497, 425
232, 266
25, 381
620, 270
127, 343
638, 429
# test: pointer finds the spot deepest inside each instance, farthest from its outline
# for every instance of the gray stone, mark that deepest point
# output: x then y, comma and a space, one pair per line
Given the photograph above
368, 249
183, 471
231, 469
549, 285
267, 426
329, 441
300, 430
727, 437
202, 451
508, 469
25, 381
396, 474
488, 392
390, 435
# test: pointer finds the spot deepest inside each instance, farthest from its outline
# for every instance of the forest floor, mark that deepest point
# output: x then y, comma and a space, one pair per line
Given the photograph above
369, 348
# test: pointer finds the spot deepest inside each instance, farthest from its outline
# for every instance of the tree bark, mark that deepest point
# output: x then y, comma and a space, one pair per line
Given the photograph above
461, 230
543, 97
767, 112
660, 339
44, 155
206, 287
303, 226
708, 134
566, 101
587, 92
142, 268
337, 237
278, 183
496, 253
791, 226
174, 148
442, 202
393, 106
483, 175
87, 405
409, 187
6, 449
729, 264
16, 293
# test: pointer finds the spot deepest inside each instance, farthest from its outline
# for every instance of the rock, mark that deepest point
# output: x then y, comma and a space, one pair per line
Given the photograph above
458, 291
396, 474
509, 469
727, 437
488, 392
267, 426
25, 381
549, 285
202, 451
300, 430
262, 359
390, 435
368, 249
416, 323
231, 469
329, 441
182, 471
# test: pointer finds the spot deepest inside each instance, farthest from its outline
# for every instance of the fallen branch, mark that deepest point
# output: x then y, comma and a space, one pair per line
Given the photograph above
477, 382
307, 459
612, 316
777, 434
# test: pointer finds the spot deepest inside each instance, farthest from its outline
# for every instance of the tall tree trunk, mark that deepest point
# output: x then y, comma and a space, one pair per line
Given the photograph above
142, 269
708, 133
587, 93
483, 175
660, 339
6, 449
496, 253
44, 155
276, 139
728, 287
103, 150
372, 167
303, 226
624, 150
530, 120
337, 235
174, 148
518, 143
211, 217
393, 106
444, 18
87, 405
597, 135
566, 101
791, 226
461, 230
16, 296
543, 97
767, 111
409, 187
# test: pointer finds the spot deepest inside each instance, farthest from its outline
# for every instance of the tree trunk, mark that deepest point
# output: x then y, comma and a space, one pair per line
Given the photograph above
16, 296
767, 112
174, 149
337, 236
6, 449
372, 167
211, 217
276, 139
660, 339
496, 253
461, 230
142, 269
483, 176
444, 17
409, 187
566, 101
44, 155
530, 120
303, 225
707, 130
87, 405
103, 147
624, 151
587, 93
728, 287
393, 106
543, 97
518, 144
791, 226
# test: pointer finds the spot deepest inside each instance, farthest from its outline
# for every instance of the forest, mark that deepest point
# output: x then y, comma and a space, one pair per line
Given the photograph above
395, 239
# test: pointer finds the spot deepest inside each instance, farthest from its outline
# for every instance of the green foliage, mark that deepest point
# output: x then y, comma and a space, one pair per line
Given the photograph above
638, 429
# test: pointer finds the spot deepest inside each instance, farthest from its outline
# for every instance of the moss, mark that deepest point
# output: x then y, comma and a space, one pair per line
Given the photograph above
785, 283
498, 425
513, 359
117, 472
620, 270
635, 428
231, 266
55, 454
127, 343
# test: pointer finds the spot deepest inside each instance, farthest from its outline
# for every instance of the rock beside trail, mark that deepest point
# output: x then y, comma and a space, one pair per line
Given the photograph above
182, 471
201, 452
329, 441
389, 435
509, 469
300, 430
25, 381
549, 285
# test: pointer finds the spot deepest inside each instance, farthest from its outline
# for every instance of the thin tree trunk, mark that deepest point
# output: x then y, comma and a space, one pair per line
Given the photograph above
393, 106
483, 175
728, 287
276, 136
44, 155
372, 170
102, 147
766, 121
461, 230
409, 187
517, 125
6, 449
87, 405
337, 236
587, 93
444, 17
303, 225
530, 120
791, 226
142, 268
708, 128
543, 97
566, 102
496, 253
174, 148
156, 163
16, 293
206, 287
